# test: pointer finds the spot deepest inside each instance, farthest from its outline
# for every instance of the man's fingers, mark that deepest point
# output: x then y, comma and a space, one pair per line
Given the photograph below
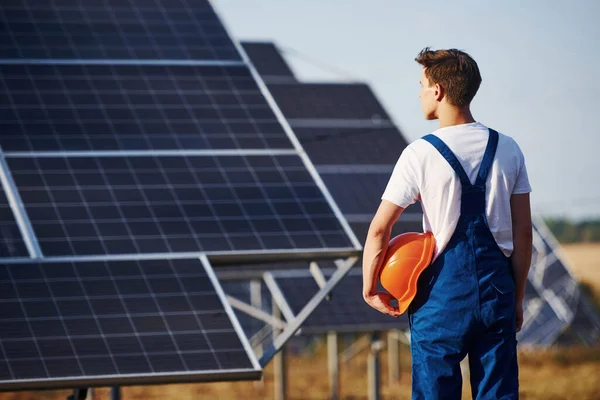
389, 310
384, 308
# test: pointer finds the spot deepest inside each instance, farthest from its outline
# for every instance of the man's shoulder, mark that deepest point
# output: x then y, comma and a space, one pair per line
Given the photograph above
508, 142
417, 149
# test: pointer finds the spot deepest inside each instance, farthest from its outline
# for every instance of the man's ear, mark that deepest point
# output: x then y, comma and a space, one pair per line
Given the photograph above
439, 92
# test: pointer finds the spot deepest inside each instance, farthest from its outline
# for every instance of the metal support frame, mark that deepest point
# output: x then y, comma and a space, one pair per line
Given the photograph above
375, 367
393, 351
256, 302
294, 324
279, 373
356, 347
317, 273
115, 393
333, 365
278, 297
78, 394
255, 312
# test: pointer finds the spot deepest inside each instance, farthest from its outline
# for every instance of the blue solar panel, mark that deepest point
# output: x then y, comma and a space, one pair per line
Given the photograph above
371, 145
113, 29
133, 128
127, 321
134, 107
328, 101
92, 205
357, 192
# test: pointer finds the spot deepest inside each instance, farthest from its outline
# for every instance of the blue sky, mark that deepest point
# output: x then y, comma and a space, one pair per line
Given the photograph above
538, 59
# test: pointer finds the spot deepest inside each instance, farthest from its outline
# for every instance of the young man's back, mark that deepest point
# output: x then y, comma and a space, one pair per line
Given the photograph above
473, 187
422, 174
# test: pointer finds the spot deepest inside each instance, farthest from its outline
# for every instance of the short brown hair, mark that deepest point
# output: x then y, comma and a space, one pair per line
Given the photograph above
454, 70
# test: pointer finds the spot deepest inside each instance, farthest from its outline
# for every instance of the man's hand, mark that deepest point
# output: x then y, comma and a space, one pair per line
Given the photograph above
519, 315
381, 302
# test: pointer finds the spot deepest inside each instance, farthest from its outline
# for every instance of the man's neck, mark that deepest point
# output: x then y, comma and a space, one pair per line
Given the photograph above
455, 116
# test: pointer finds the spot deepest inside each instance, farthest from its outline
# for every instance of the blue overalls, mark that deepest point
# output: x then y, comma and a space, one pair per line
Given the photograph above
465, 303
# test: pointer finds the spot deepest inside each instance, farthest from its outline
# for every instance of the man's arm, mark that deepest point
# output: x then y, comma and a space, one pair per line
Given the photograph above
522, 240
376, 245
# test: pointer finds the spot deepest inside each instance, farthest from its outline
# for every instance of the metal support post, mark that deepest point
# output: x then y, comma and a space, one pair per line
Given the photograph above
374, 366
393, 357
333, 366
279, 376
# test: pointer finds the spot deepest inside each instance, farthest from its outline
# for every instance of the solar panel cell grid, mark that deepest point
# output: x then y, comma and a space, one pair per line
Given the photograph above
115, 29
357, 193
124, 205
373, 145
68, 320
328, 101
134, 107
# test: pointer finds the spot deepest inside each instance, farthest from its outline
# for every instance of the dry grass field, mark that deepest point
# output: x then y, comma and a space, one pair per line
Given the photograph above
563, 373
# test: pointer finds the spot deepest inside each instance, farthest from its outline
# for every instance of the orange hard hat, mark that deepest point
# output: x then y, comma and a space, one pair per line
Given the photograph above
408, 254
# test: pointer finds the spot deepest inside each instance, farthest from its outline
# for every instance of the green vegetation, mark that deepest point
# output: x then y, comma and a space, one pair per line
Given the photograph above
567, 231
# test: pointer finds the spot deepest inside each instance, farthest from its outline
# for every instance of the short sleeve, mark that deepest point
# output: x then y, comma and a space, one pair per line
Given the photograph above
402, 188
522, 185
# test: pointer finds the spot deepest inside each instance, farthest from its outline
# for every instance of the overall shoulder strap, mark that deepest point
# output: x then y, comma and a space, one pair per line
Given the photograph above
450, 158
488, 159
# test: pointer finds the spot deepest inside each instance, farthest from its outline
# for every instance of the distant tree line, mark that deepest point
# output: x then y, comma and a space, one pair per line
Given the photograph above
567, 231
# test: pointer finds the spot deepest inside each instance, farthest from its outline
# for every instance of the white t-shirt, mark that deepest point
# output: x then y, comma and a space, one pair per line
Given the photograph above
421, 173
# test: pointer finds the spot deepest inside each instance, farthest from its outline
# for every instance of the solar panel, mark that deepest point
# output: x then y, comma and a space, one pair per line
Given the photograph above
113, 29
553, 276
346, 311
268, 61
115, 322
91, 205
357, 192
134, 107
542, 326
369, 144
352, 142
134, 133
12, 244
328, 101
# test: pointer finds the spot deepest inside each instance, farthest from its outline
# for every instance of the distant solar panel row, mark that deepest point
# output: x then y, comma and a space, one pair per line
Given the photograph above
134, 107
149, 204
328, 101
113, 29
69, 320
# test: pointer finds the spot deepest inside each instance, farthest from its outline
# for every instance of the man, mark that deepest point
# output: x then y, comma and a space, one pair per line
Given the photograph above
473, 187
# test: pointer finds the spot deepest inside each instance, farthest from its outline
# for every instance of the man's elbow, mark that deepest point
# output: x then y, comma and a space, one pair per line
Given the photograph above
378, 229
386, 216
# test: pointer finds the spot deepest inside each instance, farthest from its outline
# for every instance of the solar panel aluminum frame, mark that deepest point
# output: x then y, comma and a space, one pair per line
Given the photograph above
150, 378
17, 207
